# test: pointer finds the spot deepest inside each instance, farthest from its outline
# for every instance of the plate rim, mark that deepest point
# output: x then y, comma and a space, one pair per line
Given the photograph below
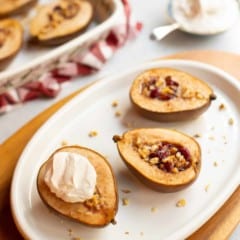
187, 229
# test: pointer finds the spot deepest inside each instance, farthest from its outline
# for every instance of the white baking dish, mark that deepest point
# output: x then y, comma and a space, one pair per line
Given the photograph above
32, 62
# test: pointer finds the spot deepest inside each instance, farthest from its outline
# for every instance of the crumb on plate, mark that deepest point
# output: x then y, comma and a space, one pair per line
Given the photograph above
125, 201
221, 107
230, 121
206, 188
93, 133
115, 103
181, 203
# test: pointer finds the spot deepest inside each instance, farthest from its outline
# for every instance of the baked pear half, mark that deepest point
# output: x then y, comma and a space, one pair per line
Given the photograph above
165, 160
165, 94
60, 21
97, 211
11, 7
11, 39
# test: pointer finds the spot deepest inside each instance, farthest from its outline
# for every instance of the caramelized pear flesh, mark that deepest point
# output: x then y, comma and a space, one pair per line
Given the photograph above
11, 7
165, 94
11, 38
60, 21
163, 159
96, 212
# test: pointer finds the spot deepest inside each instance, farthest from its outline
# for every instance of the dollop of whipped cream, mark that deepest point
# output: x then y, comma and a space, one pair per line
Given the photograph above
71, 177
205, 16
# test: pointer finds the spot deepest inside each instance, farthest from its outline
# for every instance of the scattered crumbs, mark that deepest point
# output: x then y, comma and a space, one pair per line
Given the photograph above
125, 190
215, 164
93, 133
141, 233
125, 202
64, 143
117, 114
212, 128
206, 188
153, 209
115, 103
211, 138
70, 231
127, 233
181, 203
230, 121
197, 135
221, 107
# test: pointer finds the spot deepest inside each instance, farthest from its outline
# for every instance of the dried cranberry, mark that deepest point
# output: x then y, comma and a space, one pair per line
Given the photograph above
168, 166
170, 82
184, 152
154, 93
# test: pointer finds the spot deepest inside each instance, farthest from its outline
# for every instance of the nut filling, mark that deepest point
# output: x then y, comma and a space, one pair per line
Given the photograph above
67, 9
169, 157
95, 203
165, 89
161, 89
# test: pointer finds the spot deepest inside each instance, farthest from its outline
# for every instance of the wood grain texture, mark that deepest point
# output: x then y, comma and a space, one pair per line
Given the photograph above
219, 227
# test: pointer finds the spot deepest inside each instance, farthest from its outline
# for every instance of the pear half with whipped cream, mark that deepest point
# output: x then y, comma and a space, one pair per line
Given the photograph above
79, 183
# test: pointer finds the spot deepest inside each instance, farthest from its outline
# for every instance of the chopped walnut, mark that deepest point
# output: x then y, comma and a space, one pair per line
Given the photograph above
114, 103
207, 187
127, 233
95, 202
118, 114
221, 107
64, 143
230, 121
181, 203
215, 164
125, 201
93, 133
153, 209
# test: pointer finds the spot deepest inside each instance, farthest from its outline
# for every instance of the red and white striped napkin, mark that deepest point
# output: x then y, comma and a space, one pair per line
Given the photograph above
49, 84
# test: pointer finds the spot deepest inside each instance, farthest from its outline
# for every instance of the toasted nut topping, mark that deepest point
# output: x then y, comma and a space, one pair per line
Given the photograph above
114, 103
181, 203
221, 107
93, 133
230, 121
125, 201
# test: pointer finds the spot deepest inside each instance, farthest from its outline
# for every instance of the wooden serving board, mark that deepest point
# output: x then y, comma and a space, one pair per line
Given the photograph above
219, 227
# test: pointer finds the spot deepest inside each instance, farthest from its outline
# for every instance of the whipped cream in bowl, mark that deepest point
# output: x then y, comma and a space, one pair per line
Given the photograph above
70, 176
204, 17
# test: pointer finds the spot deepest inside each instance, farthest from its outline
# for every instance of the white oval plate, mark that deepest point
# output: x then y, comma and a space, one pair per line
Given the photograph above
149, 215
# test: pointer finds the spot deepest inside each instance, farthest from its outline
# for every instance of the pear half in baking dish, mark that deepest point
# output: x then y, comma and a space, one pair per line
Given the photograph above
11, 38
60, 21
11, 7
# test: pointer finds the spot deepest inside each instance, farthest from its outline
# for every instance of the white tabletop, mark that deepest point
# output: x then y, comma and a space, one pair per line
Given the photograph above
151, 13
